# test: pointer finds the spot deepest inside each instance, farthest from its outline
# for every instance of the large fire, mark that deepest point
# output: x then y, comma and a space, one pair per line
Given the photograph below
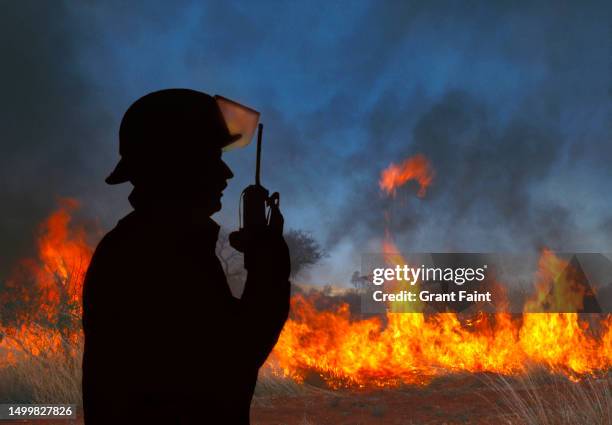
412, 348
406, 348
41, 314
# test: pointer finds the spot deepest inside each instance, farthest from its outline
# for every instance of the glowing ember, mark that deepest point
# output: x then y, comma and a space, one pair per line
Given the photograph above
415, 168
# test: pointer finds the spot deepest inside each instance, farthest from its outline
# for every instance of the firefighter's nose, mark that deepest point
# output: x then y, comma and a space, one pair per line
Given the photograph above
227, 171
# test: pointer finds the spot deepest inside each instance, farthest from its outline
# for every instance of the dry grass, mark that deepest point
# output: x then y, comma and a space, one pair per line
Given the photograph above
543, 399
536, 398
48, 378
271, 386
56, 378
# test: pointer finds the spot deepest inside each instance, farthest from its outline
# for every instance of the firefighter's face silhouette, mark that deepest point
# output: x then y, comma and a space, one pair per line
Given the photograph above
203, 182
210, 185
194, 183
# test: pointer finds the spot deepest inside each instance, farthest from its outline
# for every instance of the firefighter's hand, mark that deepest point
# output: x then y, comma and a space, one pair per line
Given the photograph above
265, 251
268, 255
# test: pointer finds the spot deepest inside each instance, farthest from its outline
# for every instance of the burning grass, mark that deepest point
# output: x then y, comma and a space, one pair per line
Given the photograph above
414, 348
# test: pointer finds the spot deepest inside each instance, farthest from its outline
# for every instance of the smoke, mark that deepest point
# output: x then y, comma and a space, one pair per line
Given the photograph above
516, 129
509, 102
39, 120
490, 188
51, 124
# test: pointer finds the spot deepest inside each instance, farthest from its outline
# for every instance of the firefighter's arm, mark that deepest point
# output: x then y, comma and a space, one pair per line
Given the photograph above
264, 305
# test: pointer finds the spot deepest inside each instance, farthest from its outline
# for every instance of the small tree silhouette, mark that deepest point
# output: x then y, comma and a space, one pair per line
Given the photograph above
304, 251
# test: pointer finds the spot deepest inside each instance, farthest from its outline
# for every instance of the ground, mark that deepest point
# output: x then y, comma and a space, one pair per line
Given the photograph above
476, 399
456, 401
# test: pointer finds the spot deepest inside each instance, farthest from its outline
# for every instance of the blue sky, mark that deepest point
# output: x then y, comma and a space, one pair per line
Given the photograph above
509, 100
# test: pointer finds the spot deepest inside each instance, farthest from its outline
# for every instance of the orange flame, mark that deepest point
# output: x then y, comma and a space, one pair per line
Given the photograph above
412, 348
559, 286
41, 301
416, 168
398, 348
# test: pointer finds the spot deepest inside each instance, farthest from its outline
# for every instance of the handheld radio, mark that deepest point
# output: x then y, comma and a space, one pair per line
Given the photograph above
260, 212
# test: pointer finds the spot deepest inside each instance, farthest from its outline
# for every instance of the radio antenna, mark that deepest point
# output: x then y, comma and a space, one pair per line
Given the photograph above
258, 163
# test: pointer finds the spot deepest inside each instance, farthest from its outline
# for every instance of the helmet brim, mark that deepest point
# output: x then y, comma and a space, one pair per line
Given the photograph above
120, 174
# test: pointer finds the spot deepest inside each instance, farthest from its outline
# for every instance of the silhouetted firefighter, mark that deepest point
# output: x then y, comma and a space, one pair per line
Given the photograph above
165, 340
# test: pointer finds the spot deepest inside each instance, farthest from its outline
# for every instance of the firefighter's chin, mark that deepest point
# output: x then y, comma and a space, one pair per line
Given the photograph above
209, 205
216, 206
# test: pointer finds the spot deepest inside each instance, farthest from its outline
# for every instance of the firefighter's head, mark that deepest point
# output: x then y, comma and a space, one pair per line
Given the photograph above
171, 142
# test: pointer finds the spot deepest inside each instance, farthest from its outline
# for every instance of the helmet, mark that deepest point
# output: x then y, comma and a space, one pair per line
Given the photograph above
173, 127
